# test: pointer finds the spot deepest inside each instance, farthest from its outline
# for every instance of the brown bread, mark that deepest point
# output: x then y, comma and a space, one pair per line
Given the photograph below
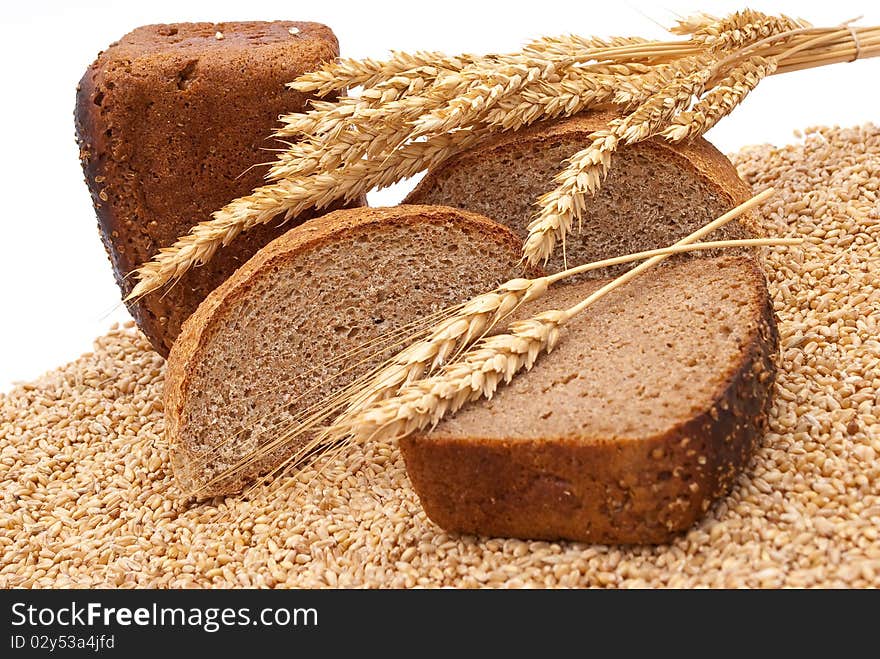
171, 121
643, 415
266, 345
655, 193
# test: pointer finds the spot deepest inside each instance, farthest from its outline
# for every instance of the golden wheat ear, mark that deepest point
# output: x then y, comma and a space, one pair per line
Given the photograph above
416, 110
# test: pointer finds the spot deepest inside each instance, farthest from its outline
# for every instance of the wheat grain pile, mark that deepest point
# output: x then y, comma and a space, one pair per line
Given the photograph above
88, 499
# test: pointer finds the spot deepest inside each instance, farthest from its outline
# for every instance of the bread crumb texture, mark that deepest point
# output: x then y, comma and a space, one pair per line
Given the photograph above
88, 498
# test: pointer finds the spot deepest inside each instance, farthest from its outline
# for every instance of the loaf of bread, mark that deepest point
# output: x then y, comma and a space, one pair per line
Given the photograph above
172, 121
640, 418
275, 340
655, 193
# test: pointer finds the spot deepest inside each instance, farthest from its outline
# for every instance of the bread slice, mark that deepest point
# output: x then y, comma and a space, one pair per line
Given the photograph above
171, 122
655, 192
627, 432
261, 347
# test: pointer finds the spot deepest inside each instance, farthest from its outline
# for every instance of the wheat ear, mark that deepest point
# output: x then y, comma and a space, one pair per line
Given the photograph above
565, 45
495, 359
720, 100
743, 28
345, 73
416, 110
586, 169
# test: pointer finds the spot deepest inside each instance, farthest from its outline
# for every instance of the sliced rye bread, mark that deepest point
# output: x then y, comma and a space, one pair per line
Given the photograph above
642, 416
655, 193
260, 348
171, 123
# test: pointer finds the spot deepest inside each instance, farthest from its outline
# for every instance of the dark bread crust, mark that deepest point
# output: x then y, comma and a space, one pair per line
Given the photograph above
601, 489
224, 301
697, 154
170, 122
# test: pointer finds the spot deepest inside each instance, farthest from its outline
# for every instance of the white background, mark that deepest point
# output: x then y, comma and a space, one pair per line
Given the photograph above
57, 291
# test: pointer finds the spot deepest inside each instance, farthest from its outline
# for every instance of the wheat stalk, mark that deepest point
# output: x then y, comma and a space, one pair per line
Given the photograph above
398, 110
574, 92
416, 110
492, 361
475, 318
391, 114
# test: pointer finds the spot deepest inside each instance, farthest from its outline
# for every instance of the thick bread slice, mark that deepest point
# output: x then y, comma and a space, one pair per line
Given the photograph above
655, 192
261, 347
171, 124
643, 415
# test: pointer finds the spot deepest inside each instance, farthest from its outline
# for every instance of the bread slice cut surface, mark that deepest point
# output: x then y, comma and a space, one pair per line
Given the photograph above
655, 192
644, 414
275, 341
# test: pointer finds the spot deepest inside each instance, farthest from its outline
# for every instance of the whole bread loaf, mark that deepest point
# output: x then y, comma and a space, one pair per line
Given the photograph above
172, 121
642, 416
655, 192
275, 340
